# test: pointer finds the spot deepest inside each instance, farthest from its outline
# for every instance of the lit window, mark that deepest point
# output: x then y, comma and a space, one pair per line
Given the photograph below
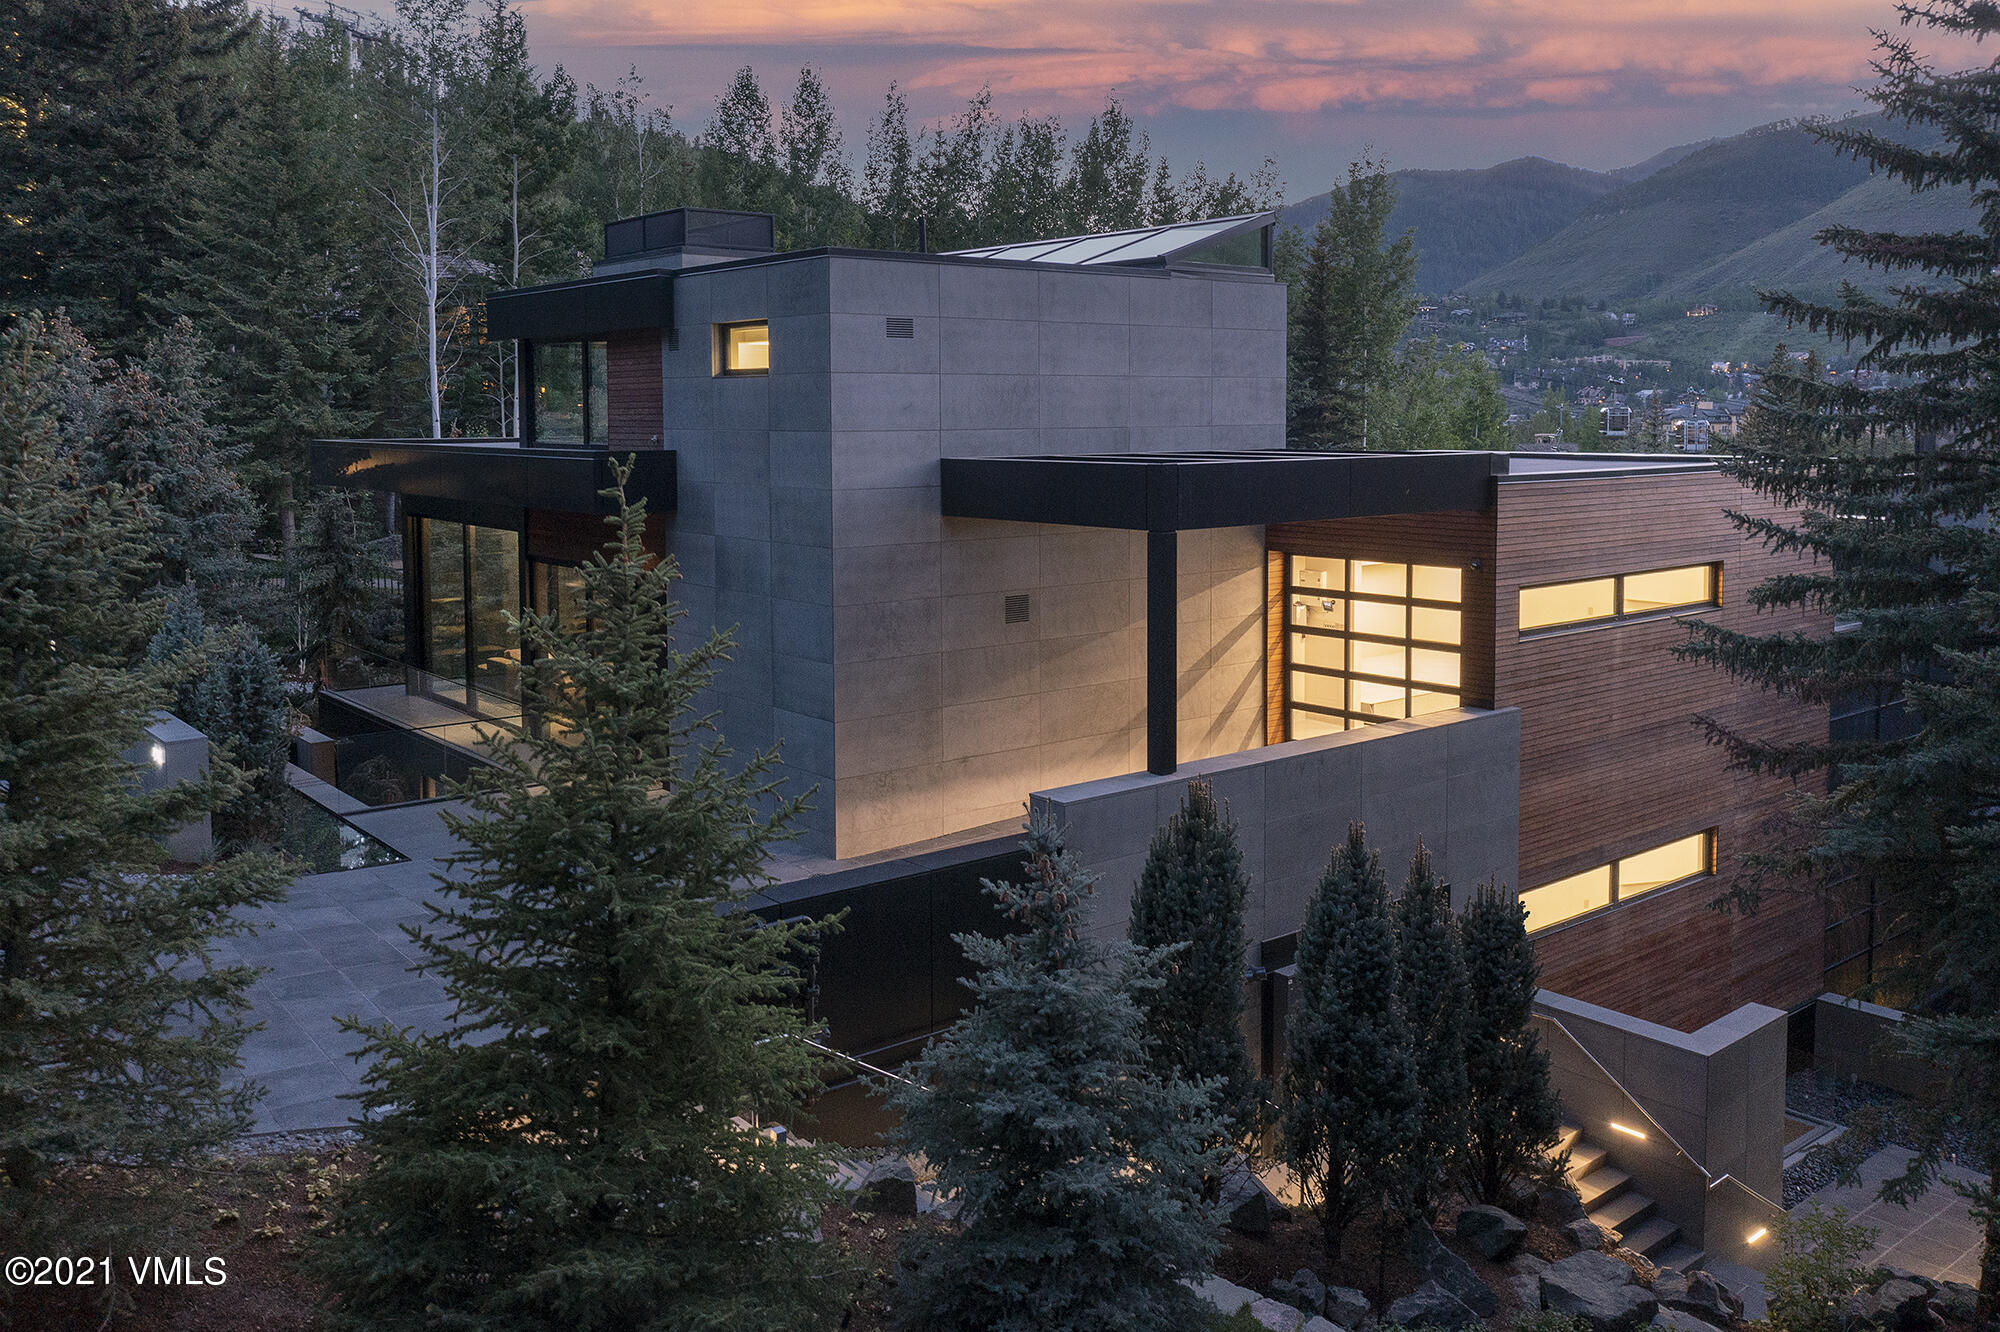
1596, 599
743, 349
1369, 641
1621, 881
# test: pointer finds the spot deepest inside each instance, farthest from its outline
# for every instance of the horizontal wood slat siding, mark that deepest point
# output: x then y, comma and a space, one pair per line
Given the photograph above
571, 538
1458, 539
1612, 761
634, 382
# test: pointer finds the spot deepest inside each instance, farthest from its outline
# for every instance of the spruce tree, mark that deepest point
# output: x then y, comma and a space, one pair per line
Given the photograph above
1356, 297
1889, 490
1430, 976
240, 706
118, 1030
1349, 1108
180, 647
1191, 893
1513, 1118
1078, 1167
335, 567
579, 1148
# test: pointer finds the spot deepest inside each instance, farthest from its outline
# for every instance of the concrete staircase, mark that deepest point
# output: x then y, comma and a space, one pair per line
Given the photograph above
1613, 1204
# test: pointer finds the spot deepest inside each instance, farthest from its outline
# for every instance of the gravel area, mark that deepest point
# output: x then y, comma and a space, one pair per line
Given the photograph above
1835, 1101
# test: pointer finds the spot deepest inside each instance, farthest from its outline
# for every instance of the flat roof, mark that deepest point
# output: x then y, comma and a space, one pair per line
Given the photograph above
1134, 245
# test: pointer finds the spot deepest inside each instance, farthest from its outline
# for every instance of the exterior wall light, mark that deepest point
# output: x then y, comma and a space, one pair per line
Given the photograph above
159, 756
1755, 1235
1628, 1132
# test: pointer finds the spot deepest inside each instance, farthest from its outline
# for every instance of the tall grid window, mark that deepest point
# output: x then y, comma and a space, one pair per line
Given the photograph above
1368, 641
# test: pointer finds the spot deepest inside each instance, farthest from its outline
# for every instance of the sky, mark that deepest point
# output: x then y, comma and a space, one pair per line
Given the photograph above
1426, 83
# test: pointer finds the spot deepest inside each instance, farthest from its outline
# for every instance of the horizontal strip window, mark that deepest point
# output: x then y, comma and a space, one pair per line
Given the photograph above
1619, 597
1368, 641
1681, 861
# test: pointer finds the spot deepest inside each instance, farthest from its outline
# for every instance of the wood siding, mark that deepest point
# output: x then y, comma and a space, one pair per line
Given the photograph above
571, 538
633, 381
1612, 761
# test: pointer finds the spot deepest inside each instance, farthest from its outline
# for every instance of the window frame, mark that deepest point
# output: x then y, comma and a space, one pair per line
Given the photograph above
720, 349
594, 366
1347, 635
1621, 615
1710, 838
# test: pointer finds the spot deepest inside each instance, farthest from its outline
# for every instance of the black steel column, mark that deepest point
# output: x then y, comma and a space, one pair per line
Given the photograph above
524, 387
1163, 595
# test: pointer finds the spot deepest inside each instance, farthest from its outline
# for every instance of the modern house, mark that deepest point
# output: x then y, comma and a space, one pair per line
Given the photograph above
1017, 526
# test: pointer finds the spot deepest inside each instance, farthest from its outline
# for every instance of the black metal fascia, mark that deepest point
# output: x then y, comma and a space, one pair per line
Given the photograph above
561, 480
587, 309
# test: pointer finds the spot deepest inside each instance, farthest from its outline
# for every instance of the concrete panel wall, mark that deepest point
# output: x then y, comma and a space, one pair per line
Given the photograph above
1853, 1039
1451, 778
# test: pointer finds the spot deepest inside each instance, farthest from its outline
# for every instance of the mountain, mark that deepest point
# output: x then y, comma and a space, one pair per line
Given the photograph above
1470, 221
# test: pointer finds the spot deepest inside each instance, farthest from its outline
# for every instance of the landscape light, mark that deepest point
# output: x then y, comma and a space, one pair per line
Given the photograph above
1755, 1235
159, 755
1632, 1132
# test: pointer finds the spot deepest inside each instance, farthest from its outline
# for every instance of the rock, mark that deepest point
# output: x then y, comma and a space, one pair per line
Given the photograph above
1347, 1306
1585, 1234
1528, 1264
1673, 1320
1431, 1305
1956, 1302
1526, 1288
1599, 1289
1318, 1324
1561, 1205
1497, 1234
1276, 1316
1454, 1274
890, 1186
1904, 1304
1521, 1197
1862, 1309
1648, 1272
1225, 1297
1247, 1206
1699, 1294
1312, 1291
1887, 1272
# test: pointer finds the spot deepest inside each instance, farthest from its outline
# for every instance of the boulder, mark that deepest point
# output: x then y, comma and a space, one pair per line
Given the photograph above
1956, 1302
890, 1187
1431, 1305
1673, 1320
1600, 1290
1225, 1297
1585, 1234
1347, 1306
1886, 1272
1528, 1263
1454, 1274
1699, 1294
1561, 1205
1277, 1316
1318, 1324
1311, 1290
1248, 1208
1904, 1305
1521, 1197
1496, 1233
1526, 1288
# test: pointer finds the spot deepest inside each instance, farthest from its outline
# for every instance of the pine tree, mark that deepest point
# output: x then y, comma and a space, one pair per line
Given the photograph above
574, 1150
180, 648
1890, 493
1349, 1108
1512, 1114
240, 706
334, 572
1357, 296
1078, 1168
1191, 893
1430, 976
117, 1028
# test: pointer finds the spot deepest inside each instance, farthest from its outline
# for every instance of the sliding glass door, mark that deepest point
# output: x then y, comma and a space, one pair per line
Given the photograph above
471, 584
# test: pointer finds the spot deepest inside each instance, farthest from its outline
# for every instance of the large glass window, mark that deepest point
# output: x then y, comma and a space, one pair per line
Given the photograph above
1584, 601
472, 583
1368, 641
743, 349
443, 549
1622, 880
572, 401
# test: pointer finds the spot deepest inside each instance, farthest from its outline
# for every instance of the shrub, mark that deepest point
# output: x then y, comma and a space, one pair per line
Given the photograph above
1818, 1267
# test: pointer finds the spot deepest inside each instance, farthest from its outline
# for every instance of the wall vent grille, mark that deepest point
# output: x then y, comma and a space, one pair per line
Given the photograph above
899, 326
1016, 608
673, 339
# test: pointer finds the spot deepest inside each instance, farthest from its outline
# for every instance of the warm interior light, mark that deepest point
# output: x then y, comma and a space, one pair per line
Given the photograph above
159, 756
1755, 1235
1629, 1132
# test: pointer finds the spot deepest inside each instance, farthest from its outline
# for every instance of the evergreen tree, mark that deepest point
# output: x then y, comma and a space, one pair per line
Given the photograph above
809, 138
1191, 893
1512, 1114
1024, 188
1430, 976
1650, 433
951, 175
1106, 186
1890, 495
1079, 1169
1356, 298
179, 648
1349, 1108
739, 166
334, 572
573, 1151
239, 704
117, 1029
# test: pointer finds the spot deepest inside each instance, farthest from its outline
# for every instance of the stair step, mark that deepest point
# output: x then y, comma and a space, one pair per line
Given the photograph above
1584, 1158
1567, 1137
1681, 1256
1601, 1185
1623, 1212
1653, 1236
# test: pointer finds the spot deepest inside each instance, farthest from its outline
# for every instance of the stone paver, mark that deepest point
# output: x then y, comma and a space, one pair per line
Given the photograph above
1935, 1236
335, 948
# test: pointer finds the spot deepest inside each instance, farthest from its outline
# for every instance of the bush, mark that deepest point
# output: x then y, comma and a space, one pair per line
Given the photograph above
1818, 1267
1548, 1320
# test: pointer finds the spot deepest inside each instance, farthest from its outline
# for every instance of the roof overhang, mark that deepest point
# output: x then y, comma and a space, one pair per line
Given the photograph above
493, 473
587, 309
1188, 491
